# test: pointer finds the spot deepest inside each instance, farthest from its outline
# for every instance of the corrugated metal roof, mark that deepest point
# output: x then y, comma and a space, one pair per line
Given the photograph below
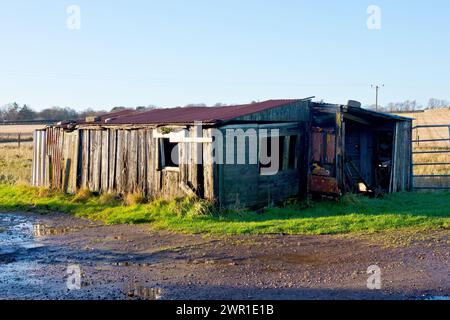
362, 112
117, 114
192, 114
104, 117
377, 114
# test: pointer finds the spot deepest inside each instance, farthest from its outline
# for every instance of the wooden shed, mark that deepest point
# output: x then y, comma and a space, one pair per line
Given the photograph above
221, 153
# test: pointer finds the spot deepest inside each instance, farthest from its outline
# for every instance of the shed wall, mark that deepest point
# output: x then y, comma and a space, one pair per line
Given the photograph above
118, 160
242, 185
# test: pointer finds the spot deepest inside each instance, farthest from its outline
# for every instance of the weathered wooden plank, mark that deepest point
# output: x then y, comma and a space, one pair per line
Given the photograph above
208, 168
119, 160
286, 155
194, 158
85, 157
122, 155
340, 148
150, 163
170, 186
33, 173
96, 150
142, 159
105, 153
112, 160
70, 161
132, 162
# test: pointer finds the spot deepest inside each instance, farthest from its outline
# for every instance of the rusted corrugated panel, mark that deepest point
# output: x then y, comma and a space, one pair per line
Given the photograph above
54, 151
204, 114
323, 185
331, 147
317, 145
323, 145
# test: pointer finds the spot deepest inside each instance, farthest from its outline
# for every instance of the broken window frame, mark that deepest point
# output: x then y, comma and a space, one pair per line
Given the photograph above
288, 157
164, 144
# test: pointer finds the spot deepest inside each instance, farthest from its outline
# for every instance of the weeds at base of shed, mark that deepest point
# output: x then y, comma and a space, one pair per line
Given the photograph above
351, 199
82, 196
183, 207
132, 199
109, 199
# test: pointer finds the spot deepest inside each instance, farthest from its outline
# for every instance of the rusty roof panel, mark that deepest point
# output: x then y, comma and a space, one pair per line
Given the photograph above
192, 114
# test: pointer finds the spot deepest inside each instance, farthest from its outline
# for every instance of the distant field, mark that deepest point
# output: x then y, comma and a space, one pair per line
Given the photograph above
20, 128
10, 134
431, 117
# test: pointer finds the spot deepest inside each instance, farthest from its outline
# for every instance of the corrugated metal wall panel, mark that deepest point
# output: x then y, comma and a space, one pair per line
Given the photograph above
39, 168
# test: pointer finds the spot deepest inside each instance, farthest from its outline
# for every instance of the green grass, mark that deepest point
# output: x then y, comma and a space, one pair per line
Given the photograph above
353, 214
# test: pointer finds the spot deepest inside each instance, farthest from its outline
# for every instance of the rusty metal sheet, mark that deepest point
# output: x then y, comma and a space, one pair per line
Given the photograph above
331, 147
204, 114
323, 146
54, 151
317, 145
323, 185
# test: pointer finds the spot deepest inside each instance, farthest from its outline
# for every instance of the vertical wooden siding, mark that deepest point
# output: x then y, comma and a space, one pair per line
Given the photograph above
401, 177
244, 186
117, 160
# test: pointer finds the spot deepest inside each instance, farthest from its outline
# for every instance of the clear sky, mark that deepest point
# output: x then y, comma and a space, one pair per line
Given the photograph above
170, 53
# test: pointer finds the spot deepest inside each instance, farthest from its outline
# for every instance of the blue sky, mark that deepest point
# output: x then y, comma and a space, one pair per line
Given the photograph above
170, 53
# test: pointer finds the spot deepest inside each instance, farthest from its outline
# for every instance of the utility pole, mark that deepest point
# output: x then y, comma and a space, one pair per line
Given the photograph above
377, 90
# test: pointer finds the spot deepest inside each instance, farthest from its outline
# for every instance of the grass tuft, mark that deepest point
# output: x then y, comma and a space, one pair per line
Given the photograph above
109, 199
133, 199
351, 199
82, 196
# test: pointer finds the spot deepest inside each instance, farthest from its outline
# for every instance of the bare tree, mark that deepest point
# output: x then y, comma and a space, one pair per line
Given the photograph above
437, 103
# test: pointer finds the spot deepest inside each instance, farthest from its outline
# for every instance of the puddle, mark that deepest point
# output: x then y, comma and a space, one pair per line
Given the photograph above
294, 258
17, 234
437, 298
135, 291
42, 230
23, 232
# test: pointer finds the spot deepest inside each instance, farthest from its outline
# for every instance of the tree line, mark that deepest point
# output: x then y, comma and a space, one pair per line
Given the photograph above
412, 105
16, 112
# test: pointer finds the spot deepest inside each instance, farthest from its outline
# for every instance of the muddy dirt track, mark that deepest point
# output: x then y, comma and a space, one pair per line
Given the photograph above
134, 262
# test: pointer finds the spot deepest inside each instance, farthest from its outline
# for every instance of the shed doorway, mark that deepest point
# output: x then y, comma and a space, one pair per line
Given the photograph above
367, 158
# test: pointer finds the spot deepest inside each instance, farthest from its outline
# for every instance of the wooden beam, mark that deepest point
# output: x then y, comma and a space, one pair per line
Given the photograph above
355, 118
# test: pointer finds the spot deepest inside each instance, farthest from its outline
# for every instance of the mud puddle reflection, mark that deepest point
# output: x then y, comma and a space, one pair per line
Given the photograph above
136, 291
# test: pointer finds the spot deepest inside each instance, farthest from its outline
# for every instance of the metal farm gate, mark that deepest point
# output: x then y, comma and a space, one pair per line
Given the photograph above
432, 170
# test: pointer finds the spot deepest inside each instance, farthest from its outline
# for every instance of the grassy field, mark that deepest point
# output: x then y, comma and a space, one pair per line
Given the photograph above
15, 164
26, 129
352, 214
